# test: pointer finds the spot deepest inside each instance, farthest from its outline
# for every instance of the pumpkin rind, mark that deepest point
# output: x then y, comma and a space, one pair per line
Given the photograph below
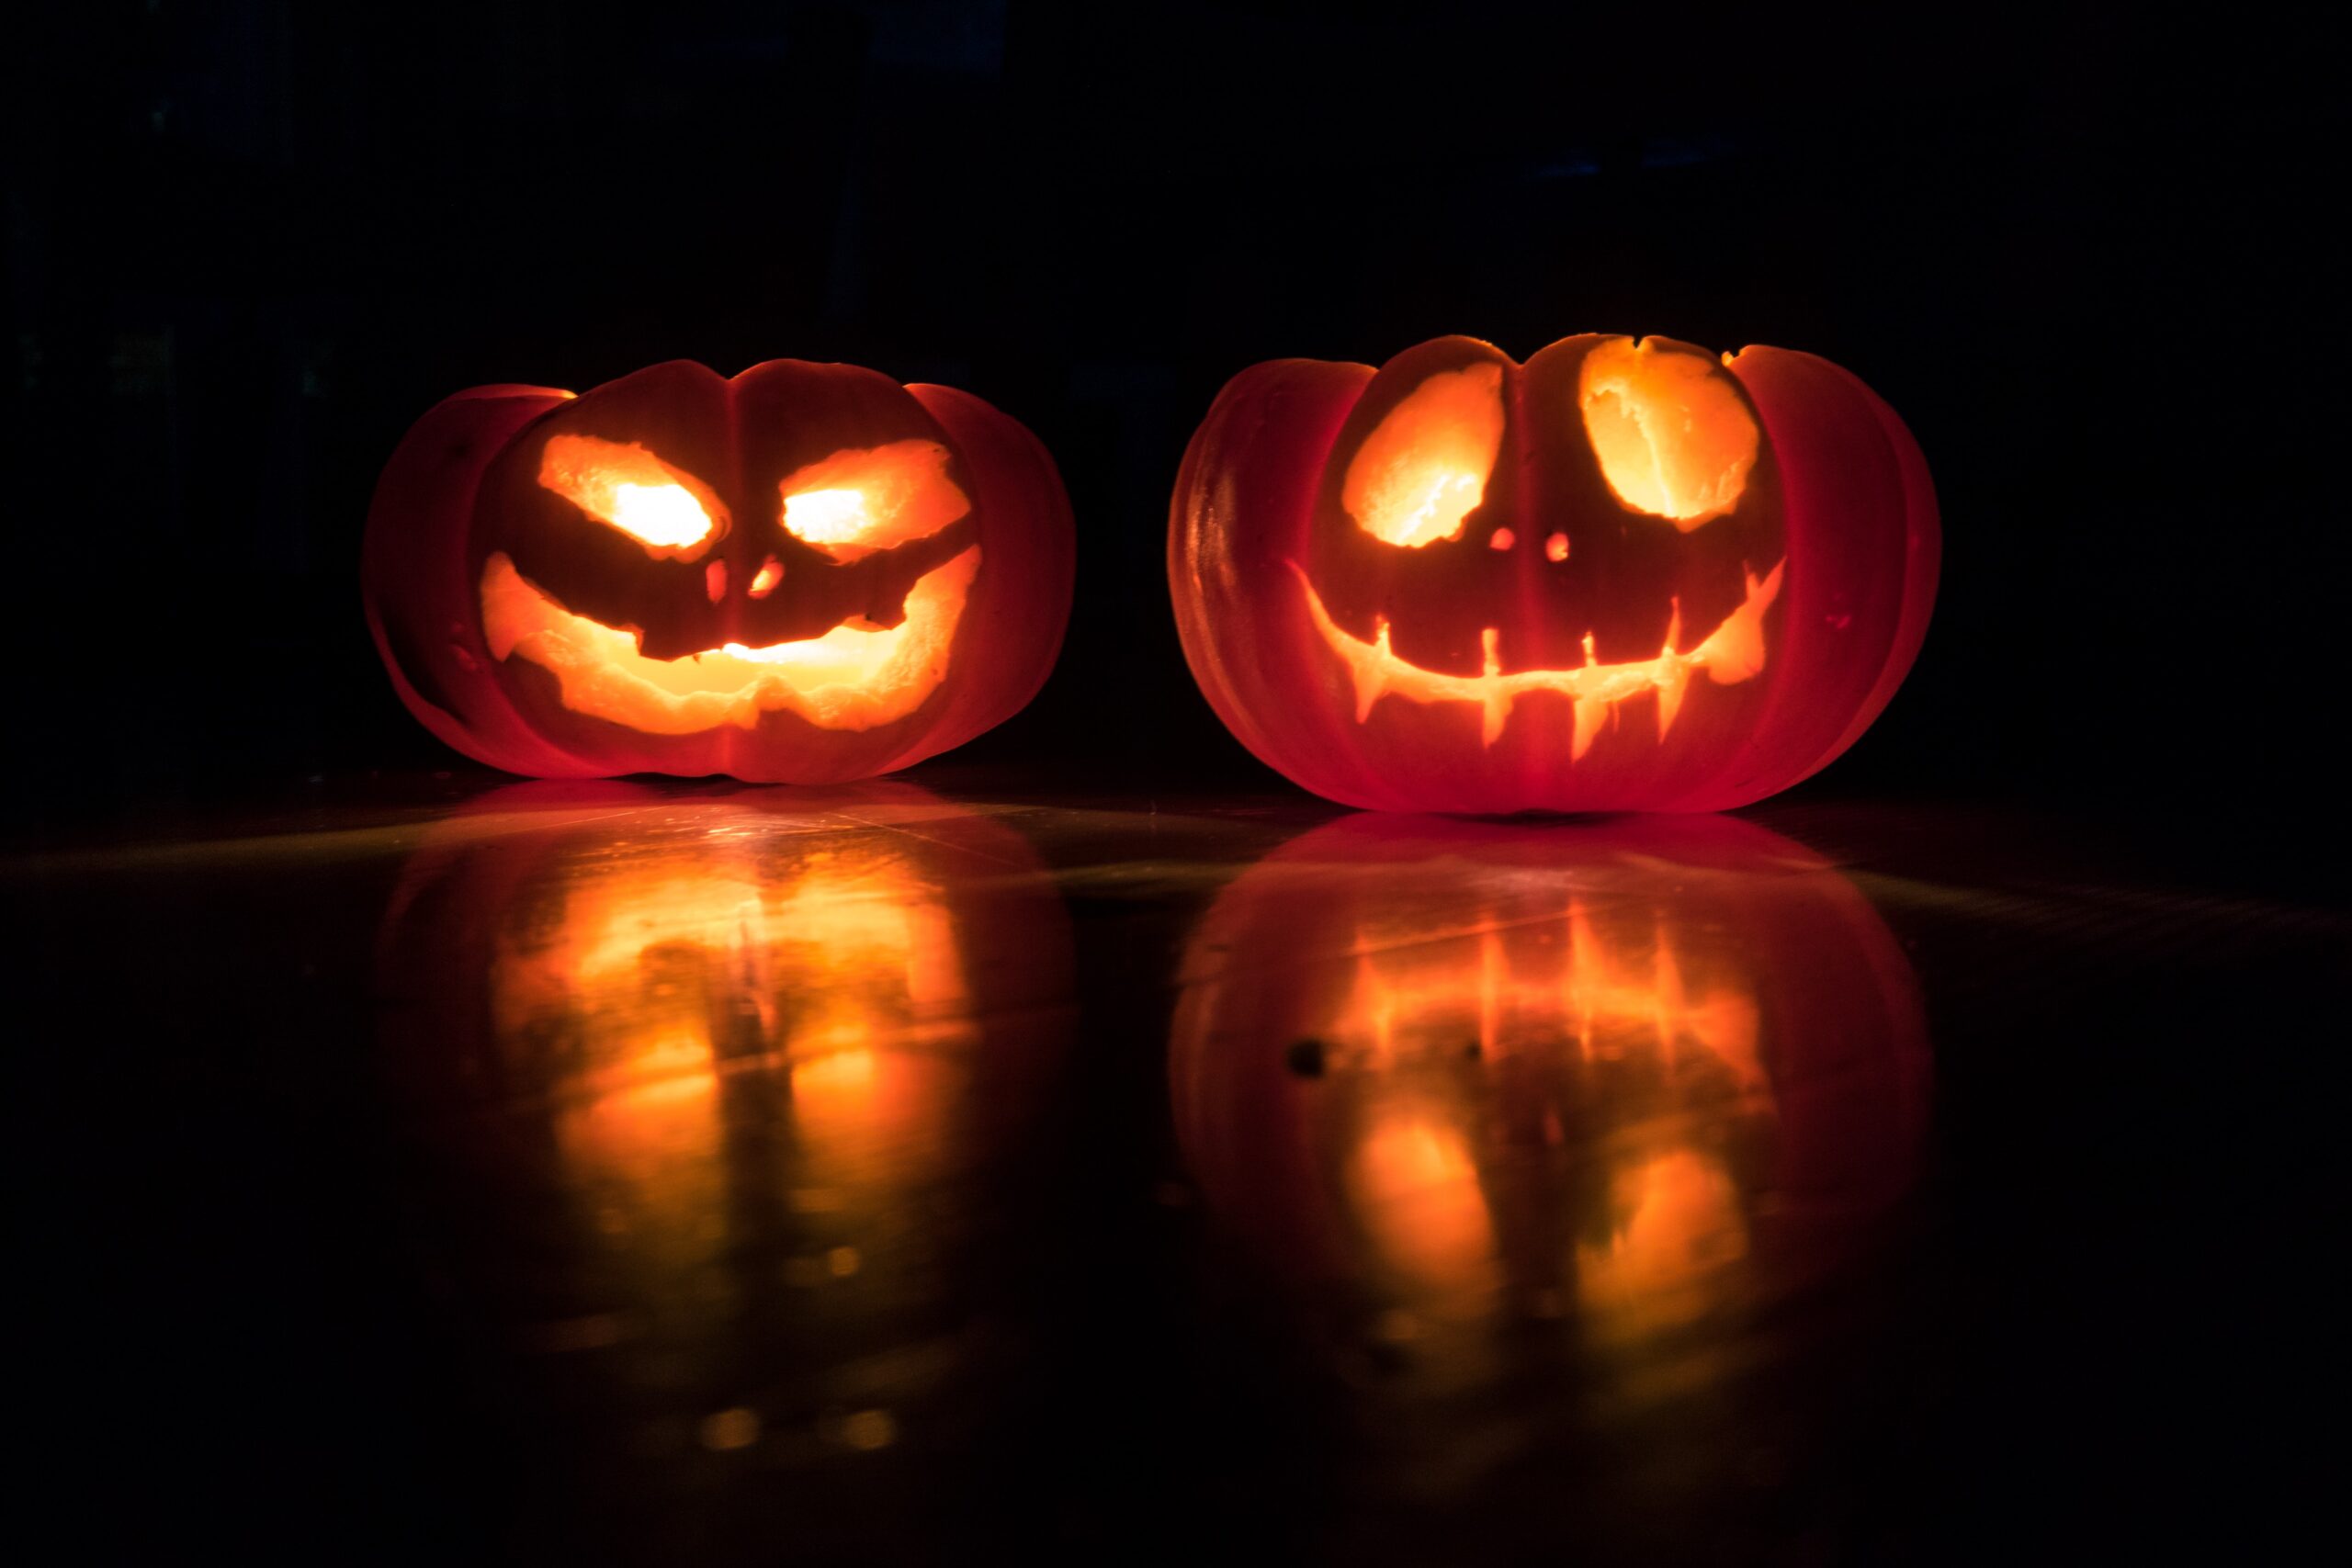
465, 500
1821, 569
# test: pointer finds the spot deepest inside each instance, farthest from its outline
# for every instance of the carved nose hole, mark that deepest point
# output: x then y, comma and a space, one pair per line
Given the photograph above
1501, 539
714, 581
764, 581
1556, 548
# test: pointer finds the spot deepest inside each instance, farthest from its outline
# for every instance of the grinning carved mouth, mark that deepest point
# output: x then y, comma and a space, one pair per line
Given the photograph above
853, 677
1733, 652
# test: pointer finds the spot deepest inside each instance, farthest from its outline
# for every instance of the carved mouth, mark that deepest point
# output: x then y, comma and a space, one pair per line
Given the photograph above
1732, 652
853, 677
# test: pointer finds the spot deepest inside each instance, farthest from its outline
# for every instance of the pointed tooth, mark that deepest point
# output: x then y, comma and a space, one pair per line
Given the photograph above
1370, 674
1495, 711
1671, 689
1591, 711
1496, 714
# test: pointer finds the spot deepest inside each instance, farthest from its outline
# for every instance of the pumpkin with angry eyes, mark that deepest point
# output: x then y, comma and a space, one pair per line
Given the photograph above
806, 574
1622, 576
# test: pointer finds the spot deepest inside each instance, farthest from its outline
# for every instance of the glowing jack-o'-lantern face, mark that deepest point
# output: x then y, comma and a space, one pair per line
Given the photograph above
750, 1068
1461, 1073
782, 576
1622, 576
1470, 568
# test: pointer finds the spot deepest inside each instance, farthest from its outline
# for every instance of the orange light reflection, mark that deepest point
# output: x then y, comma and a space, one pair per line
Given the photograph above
726, 1092
1464, 1073
832, 977
1507, 991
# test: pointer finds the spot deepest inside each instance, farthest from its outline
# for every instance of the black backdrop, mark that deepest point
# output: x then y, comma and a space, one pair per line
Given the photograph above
248, 242
251, 241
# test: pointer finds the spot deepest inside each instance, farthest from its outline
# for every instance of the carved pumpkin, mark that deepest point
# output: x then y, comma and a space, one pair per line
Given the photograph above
1623, 576
803, 575
1454, 1075
714, 1081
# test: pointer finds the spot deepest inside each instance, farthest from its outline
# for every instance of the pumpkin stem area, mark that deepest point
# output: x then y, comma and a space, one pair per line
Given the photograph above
1674, 437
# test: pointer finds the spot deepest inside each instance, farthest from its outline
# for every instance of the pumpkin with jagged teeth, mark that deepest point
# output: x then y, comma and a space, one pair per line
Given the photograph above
1622, 576
805, 574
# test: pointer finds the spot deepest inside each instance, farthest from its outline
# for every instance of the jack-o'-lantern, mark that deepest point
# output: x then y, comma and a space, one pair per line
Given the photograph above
1458, 1078
725, 1086
804, 575
1622, 576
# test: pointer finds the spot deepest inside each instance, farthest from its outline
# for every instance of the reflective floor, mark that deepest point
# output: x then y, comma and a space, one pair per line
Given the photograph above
614, 1173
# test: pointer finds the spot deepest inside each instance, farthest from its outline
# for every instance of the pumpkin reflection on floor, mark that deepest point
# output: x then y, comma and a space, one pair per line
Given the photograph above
843, 978
1571, 1095
728, 1087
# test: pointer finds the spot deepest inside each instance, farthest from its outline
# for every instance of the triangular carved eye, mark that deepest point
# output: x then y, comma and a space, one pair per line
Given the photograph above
1674, 437
621, 484
872, 498
1423, 469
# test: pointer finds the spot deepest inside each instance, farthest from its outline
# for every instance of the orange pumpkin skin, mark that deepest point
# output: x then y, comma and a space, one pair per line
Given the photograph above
533, 634
1566, 649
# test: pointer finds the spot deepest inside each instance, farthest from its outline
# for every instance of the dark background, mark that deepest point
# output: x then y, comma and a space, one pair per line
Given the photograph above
251, 243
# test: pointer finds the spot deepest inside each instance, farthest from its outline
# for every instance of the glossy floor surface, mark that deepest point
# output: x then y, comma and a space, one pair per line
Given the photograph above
620, 1173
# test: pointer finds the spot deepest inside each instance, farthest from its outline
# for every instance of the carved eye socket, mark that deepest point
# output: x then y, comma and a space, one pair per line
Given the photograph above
621, 484
1423, 469
872, 498
1674, 439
